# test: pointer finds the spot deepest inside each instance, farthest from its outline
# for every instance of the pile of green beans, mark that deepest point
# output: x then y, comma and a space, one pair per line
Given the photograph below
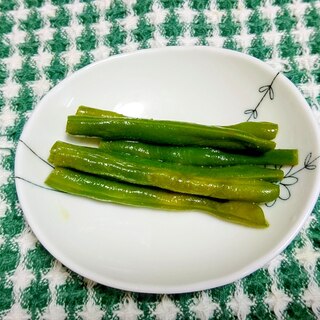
172, 165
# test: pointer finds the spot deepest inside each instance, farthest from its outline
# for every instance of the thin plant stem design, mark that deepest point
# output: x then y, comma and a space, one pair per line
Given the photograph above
267, 89
291, 178
40, 158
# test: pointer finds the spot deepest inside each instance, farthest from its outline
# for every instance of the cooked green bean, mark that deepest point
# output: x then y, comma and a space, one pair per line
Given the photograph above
233, 183
87, 111
166, 132
244, 213
199, 156
264, 130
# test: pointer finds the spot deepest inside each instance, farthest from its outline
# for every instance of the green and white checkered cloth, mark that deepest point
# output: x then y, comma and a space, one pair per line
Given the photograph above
42, 42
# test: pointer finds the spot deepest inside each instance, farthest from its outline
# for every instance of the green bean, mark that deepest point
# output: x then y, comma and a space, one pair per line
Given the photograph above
264, 130
81, 184
199, 156
166, 132
87, 111
232, 183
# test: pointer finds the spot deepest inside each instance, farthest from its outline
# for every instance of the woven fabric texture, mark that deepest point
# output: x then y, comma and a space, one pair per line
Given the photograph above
44, 41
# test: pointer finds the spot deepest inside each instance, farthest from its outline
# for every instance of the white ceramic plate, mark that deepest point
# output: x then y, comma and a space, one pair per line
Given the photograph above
152, 250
